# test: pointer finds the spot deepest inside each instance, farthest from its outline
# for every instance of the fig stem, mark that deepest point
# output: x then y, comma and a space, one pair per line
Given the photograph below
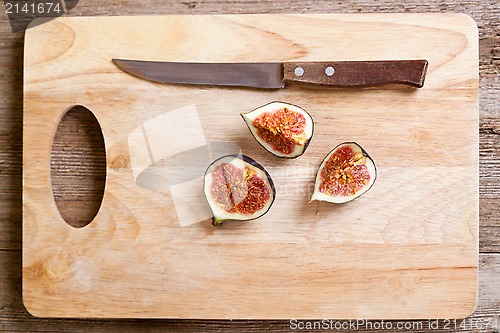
216, 223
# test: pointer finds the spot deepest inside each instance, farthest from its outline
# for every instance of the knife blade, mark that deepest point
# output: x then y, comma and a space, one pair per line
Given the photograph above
275, 75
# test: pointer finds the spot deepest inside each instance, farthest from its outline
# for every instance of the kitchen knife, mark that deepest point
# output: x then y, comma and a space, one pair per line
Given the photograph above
274, 75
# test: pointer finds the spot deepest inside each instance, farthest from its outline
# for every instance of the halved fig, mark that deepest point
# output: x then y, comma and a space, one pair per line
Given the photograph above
346, 173
282, 129
238, 188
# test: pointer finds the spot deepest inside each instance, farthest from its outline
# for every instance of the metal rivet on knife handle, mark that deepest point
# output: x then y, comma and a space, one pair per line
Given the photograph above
329, 70
299, 71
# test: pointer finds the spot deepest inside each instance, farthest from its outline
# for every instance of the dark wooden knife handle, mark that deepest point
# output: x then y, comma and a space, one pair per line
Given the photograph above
357, 73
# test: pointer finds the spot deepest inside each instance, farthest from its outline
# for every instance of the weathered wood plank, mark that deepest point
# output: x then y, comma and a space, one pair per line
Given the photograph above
489, 225
13, 317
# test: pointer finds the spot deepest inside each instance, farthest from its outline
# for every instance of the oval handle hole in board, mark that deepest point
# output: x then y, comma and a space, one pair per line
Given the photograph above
78, 166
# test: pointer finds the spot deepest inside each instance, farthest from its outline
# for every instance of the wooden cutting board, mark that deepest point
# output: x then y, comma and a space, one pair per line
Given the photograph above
408, 248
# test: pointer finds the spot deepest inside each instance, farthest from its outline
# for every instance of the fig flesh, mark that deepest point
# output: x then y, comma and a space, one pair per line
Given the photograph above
346, 173
238, 188
282, 129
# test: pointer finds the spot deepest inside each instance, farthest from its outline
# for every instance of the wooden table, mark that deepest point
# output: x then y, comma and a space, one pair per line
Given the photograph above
13, 316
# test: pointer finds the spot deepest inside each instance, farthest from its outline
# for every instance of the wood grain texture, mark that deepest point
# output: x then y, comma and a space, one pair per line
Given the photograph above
85, 171
13, 316
137, 258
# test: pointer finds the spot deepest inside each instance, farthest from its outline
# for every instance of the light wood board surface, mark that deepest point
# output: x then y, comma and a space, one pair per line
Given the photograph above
407, 248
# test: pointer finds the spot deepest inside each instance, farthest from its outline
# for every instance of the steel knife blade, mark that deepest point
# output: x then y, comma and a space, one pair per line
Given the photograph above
275, 75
